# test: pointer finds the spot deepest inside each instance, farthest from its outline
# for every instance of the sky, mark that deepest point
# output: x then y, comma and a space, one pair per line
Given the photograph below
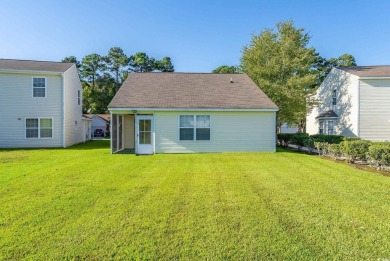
198, 35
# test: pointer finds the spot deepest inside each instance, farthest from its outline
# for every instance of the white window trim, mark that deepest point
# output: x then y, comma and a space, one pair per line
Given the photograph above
32, 89
194, 128
39, 128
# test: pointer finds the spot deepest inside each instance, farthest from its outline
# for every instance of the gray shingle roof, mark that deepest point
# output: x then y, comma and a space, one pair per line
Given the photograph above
26, 65
328, 114
368, 71
190, 90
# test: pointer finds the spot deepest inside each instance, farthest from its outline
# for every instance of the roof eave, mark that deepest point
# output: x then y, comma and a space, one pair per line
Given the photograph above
31, 71
113, 109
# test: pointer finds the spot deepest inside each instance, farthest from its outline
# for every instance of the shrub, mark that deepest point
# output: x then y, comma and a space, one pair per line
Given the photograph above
335, 150
322, 148
355, 149
379, 153
284, 138
299, 139
331, 139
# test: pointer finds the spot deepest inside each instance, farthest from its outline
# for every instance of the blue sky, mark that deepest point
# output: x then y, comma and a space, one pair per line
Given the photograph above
198, 35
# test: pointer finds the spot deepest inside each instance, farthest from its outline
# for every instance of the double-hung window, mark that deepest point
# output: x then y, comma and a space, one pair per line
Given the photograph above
78, 97
39, 87
39, 128
330, 128
194, 127
321, 127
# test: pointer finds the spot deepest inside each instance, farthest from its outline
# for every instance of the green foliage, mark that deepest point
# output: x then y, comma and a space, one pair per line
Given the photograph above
82, 203
324, 66
165, 65
98, 73
284, 139
334, 150
379, 153
331, 139
281, 63
117, 63
141, 62
225, 69
92, 66
299, 139
355, 149
72, 59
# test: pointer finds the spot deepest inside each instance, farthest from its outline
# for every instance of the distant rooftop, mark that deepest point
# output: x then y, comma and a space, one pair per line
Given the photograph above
28, 65
368, 71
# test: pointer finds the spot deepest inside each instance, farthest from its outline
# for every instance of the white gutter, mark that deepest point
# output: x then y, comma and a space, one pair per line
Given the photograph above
185, 109
31, 71
374, 77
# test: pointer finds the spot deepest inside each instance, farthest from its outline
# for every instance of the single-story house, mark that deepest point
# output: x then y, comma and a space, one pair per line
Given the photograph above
191, 113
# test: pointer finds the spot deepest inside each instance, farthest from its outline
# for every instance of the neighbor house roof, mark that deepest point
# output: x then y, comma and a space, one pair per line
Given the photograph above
27, 65
368, 71
105, 117
190, 90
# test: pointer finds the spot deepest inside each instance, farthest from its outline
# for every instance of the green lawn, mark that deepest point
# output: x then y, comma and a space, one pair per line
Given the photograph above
83, 203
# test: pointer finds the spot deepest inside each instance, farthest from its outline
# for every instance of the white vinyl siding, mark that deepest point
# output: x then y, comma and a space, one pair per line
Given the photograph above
375, 110
72, 111
339, 88
230, 132
18, 104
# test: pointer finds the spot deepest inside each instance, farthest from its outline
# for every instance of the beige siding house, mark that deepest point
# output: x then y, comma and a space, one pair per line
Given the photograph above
40, 103
353, 101
191, 113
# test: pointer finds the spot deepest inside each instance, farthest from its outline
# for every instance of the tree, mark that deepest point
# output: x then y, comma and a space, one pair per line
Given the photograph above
324, 66
165, 65
281, 63
225, 69
72, 59
116, 62
141, 62
96, 99
92, 66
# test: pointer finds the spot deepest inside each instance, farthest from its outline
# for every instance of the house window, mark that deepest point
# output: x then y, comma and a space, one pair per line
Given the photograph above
78, 97
39, 87
39, 128
194, 127
334, 100
330, 127
321, 127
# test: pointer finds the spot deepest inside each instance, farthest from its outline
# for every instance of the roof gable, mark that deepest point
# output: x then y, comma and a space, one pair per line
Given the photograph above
27, 65
190, 90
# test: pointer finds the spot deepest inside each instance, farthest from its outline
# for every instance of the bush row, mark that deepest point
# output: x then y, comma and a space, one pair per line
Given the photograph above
339, 147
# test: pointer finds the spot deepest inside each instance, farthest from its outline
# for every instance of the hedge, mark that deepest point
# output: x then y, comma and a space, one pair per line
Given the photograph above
379, 154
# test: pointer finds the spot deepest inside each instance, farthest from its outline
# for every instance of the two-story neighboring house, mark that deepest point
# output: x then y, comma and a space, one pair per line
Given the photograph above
40, 104
353, 101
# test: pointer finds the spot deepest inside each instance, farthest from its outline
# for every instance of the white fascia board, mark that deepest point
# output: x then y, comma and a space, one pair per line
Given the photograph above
184, 109
30, 72
374, 78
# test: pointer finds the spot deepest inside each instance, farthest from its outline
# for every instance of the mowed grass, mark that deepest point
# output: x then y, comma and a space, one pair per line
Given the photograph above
84, 203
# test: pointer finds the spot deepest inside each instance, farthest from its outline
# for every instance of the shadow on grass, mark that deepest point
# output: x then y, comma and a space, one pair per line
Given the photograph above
90, 145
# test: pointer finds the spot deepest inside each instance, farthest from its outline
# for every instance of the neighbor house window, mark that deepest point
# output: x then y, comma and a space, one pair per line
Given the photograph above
39, 87
334, 101
39, 128
321, 127
330, 127
194, 127
78, 97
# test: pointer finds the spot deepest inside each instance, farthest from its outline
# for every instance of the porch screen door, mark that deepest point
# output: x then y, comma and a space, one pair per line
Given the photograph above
145, 139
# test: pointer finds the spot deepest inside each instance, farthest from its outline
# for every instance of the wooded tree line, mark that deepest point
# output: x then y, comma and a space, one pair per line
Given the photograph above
102, 75
286, 69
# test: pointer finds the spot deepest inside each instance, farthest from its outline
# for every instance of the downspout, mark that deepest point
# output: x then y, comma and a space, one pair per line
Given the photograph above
63, 111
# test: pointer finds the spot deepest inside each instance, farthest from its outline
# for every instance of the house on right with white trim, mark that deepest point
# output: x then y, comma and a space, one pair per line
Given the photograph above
354, 102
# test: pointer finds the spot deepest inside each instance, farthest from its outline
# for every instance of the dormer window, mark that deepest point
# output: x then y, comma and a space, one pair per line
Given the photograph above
334, 100
39, 87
